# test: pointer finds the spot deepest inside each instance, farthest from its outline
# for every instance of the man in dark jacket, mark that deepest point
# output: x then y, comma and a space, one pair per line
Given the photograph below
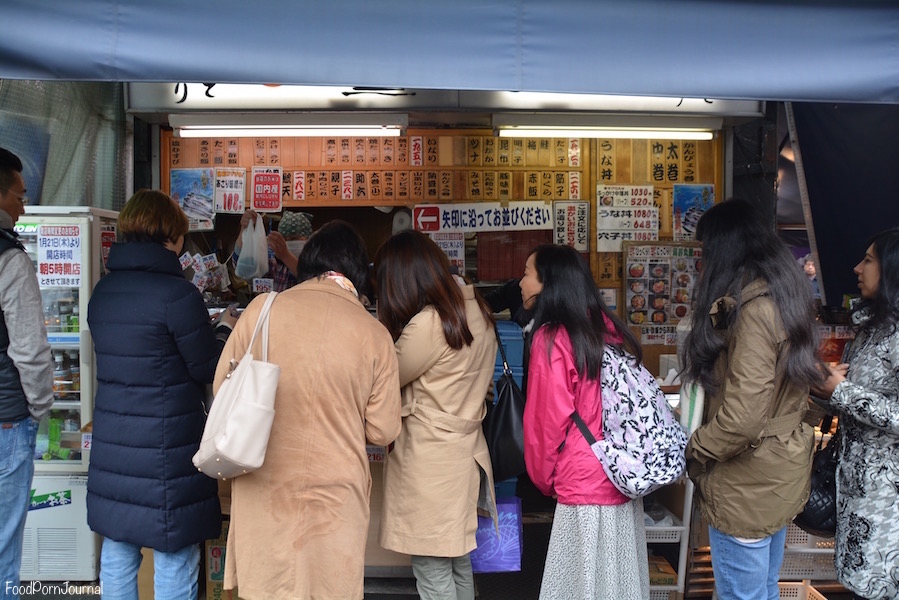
26, 373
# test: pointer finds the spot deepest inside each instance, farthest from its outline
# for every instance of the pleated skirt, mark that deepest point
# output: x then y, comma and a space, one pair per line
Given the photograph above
597, 552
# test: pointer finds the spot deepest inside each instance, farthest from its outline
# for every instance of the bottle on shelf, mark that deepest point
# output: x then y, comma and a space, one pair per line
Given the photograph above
62, 376
65, 313
55, 435
75, 319
72, 421
74, 369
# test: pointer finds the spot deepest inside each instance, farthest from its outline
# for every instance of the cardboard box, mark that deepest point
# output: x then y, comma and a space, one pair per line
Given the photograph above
215, 567
660, 572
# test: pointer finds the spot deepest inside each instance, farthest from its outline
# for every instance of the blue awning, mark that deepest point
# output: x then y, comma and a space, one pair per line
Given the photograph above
768, 50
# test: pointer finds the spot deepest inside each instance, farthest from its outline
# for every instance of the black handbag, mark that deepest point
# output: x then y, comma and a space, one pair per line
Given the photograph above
819, 517
503, 425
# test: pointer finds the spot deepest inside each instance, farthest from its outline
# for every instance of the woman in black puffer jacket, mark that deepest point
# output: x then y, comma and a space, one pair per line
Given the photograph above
156, 350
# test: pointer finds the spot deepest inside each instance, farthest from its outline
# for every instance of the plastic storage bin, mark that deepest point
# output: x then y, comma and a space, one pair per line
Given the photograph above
511, 337
801, 591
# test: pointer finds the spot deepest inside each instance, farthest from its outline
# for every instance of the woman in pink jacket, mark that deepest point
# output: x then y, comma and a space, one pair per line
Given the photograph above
597, 548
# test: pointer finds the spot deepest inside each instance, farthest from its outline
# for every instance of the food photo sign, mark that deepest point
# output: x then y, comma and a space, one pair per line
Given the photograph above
624, 213
659, 278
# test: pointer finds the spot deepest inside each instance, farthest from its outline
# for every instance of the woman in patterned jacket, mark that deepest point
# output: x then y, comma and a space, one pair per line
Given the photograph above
867, 402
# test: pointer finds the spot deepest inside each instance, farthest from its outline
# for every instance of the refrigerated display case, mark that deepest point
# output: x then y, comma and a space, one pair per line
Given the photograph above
69, 247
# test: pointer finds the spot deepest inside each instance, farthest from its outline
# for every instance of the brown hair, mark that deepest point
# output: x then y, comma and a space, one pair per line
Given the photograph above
412, 273
152, 216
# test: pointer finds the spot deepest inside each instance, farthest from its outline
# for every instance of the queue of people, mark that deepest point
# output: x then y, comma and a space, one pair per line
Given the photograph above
415, 381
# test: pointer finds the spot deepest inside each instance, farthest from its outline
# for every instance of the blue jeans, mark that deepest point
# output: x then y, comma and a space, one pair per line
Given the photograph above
747, 571
17, 441
175, 573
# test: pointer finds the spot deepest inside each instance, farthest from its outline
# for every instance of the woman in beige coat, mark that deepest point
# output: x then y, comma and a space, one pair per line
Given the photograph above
439, 472
299, 523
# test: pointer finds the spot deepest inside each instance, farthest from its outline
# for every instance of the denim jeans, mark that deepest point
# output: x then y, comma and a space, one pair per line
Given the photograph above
175, 573
17, 441
747, 571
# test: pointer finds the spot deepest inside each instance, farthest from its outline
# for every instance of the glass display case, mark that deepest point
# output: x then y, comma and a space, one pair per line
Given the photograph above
69, 247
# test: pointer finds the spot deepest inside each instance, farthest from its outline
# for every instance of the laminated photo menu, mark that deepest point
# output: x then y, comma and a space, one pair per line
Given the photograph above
659, 278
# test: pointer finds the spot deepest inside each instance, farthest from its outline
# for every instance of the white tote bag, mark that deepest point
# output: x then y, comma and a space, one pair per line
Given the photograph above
240, 420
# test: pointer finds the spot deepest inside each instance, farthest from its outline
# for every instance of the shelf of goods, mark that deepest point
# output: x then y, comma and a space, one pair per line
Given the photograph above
671, 509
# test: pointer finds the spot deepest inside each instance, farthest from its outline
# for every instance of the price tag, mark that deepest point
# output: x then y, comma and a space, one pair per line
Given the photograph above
263, 285
376, 454
86, 439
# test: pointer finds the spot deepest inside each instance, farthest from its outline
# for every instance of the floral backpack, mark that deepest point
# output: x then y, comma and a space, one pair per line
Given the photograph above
642, 445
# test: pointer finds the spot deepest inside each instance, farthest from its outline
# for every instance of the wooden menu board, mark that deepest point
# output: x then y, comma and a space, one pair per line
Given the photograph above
420, 167
661, 164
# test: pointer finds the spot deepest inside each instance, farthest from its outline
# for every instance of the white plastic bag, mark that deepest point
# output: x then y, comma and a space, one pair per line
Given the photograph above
253, 260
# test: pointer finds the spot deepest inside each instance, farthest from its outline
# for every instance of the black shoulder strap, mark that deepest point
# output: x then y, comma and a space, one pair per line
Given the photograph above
8, 240
583, 427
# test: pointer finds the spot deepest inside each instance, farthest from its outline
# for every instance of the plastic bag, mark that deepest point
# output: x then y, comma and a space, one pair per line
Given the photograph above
253, 260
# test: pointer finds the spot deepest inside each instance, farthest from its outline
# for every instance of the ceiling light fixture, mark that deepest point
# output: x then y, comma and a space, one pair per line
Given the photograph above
658, 127
319, 124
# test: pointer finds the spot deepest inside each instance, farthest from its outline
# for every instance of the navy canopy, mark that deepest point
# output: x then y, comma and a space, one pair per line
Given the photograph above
811, 50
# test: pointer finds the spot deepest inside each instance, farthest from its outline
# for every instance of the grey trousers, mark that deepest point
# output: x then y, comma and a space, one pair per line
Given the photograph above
440, 578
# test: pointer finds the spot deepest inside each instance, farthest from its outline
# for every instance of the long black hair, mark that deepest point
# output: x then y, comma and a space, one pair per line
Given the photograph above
570, 299
884, 306
738, 247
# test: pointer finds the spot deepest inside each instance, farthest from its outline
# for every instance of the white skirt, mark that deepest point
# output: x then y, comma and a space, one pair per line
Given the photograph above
597, 552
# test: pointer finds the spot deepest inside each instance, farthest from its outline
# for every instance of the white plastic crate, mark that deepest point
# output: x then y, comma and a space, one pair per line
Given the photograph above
665, 533
659, 595
810, 564
799, 591
798, 539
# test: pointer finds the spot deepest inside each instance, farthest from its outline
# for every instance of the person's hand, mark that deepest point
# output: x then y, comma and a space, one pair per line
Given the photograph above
249, 216
229, 318
278, 245
835, 375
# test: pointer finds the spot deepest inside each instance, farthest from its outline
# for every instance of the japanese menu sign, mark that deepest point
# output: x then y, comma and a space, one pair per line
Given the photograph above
833, 342
453, 245
572, 224
624, 213
59, 255
107, 239
482, 216
659, 281
266, 189
230, 190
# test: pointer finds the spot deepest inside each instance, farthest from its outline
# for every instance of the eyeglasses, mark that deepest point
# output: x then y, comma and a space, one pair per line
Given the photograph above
21, 197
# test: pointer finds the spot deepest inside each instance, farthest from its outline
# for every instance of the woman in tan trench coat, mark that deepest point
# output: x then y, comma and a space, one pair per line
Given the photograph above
439, 471
299, 523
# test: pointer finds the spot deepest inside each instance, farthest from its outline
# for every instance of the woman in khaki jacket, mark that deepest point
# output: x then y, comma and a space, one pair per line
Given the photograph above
299, 523
439, 471
753, 348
